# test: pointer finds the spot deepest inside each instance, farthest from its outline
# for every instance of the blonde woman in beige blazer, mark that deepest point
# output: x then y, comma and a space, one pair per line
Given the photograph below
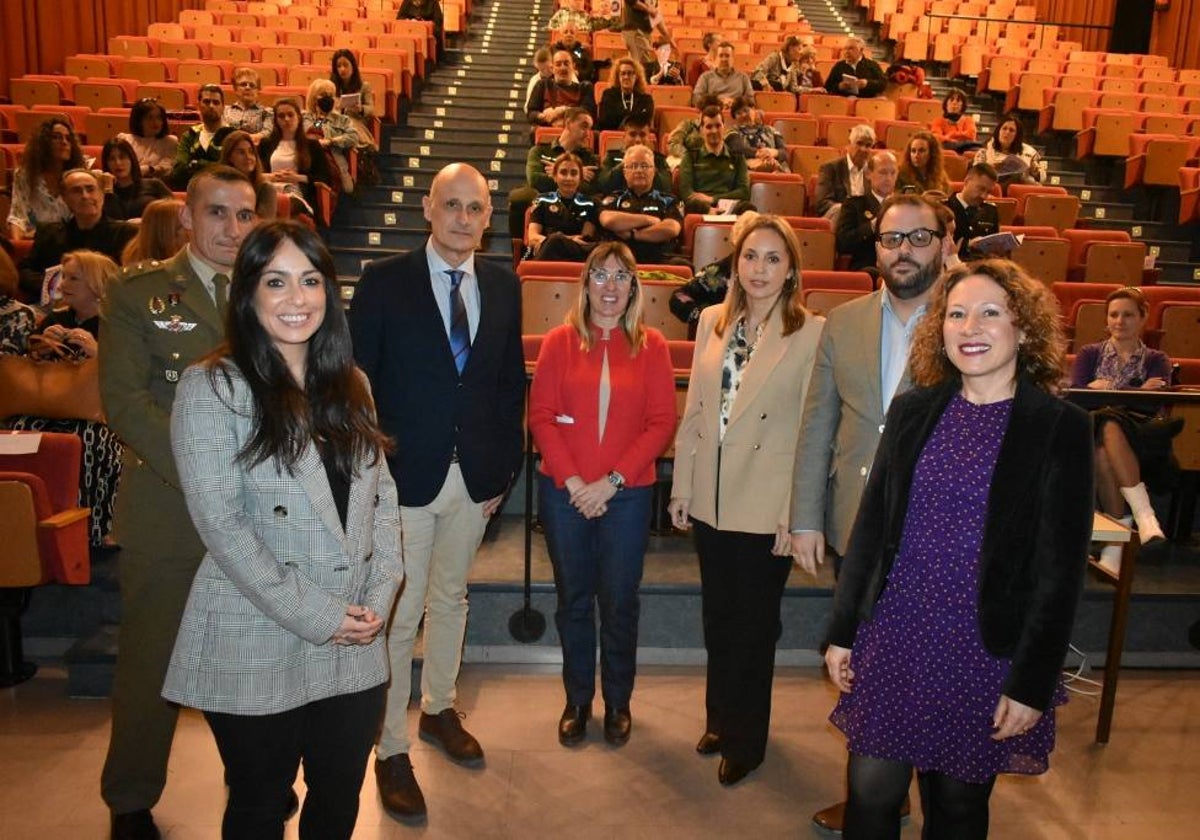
736, 442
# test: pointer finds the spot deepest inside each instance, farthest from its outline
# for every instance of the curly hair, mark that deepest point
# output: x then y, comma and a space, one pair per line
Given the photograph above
38, 156
639, 73
1041, 353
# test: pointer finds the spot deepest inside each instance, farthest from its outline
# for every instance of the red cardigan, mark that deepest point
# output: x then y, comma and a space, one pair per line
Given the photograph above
641, 407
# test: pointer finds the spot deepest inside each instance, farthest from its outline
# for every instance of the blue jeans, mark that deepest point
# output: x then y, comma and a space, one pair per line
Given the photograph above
597, 559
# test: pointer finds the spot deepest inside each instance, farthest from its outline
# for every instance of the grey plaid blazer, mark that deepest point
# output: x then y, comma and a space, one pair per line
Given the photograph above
279, 569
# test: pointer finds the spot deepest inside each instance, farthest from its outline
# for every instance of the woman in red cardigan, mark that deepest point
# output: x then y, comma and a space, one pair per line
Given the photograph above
602, 409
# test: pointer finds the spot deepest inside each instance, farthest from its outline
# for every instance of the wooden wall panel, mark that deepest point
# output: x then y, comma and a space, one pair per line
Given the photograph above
1096, 12
1176, 30
37, 35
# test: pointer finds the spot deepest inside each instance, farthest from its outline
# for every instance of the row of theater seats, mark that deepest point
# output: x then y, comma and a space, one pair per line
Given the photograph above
345, 12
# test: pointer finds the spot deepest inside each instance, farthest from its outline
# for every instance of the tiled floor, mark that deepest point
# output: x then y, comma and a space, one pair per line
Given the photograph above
1142, 785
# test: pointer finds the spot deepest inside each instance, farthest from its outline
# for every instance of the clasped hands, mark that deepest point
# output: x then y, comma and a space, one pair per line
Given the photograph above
590, 499
360, 626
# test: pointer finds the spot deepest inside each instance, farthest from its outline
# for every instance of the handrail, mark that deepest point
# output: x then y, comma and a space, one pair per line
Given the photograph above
1041, 24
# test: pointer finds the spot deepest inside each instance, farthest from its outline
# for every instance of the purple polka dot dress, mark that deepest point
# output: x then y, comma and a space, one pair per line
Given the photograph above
925, 688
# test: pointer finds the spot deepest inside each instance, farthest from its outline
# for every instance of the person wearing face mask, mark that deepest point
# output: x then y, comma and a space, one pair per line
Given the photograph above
131, 192
562, 225
200, 145
86, 229
334, 131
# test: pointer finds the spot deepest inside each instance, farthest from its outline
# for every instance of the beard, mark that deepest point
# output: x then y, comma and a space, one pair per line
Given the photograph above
916, 284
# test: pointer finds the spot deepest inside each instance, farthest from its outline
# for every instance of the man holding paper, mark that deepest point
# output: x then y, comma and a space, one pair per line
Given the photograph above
855, 74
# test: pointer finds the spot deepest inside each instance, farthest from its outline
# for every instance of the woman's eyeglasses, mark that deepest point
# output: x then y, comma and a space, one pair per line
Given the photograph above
600, 277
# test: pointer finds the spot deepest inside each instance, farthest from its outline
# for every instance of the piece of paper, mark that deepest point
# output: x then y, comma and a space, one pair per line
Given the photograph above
997, 243
23, 443
349, 100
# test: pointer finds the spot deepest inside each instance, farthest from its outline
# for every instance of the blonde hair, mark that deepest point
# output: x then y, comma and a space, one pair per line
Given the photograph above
318, 87
579, 316
159, 236
247, 73
735, 304
96, 269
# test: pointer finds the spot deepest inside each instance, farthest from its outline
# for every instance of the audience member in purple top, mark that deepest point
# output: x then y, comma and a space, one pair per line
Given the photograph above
1133, 447
958, 591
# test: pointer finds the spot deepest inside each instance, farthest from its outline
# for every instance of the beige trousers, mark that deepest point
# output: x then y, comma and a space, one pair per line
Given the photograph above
440, 541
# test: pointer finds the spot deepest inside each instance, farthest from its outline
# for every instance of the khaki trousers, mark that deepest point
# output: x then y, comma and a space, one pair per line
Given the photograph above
440, 541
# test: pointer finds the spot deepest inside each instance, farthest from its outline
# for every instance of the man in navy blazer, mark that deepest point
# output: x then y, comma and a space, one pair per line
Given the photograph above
439, 335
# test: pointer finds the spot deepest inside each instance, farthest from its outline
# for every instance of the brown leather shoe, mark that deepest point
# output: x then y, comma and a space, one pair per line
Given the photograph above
572, 726
709, 744
135, 825
446, 730
832, 819
398, 788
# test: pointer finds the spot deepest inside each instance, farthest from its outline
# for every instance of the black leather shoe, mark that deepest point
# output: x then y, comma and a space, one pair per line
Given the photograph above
709, 743
617, 725
135, 825
446, 730
731, 772
572, 726
398, 788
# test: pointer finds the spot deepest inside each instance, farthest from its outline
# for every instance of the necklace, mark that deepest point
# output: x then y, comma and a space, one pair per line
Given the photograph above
627, 104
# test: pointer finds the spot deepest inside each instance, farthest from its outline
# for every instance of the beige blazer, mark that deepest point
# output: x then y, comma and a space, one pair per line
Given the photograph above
744, 482
843, 420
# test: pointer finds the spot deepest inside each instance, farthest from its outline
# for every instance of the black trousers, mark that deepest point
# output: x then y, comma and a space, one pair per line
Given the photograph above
332, 737
741, 584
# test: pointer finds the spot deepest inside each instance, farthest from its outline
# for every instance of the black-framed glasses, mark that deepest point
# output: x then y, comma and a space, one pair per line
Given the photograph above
918, 238
621, 277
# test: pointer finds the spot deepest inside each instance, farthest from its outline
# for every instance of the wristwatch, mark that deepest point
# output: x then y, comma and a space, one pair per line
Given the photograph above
616, 479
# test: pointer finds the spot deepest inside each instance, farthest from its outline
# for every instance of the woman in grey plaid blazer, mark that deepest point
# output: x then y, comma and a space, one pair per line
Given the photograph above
282, 465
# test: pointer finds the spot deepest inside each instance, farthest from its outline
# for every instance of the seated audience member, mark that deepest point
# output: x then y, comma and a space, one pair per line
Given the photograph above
552, 97
246, 113
1133, 444
626, 98
855, 74
773, 71
725, 81
148, 135
921, 170
294, 162
543, 72
17, 320
646, 220
585, 68
86, 229
430, 10
563, 223
571, 13
803, 76
1015, 161
160, 234
354, 97
950, 257
200, 145
332, 130
687, 135
855, 232
706, 62
664, 70
955, 128
611, 177
238, 151
131, 192
709, 284
712, 173
576, 138
37, 188
839, 179
72, 331
761, 145
973, 216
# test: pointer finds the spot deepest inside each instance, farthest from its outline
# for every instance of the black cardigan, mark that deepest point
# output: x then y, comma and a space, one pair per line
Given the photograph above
1035, 542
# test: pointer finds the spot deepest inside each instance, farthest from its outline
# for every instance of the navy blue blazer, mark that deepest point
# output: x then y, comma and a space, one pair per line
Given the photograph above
429, 411
1035, 541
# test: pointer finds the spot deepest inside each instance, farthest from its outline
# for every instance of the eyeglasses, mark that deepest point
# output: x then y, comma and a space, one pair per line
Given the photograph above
638, 167
148, 100
600, 277
918, 238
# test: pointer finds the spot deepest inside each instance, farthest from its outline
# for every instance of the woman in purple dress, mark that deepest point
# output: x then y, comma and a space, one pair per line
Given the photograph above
958, 591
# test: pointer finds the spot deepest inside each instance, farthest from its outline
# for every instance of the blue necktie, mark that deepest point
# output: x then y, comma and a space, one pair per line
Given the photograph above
460, 330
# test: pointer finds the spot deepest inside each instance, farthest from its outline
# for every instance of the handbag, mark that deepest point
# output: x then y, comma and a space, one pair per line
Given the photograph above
60, 388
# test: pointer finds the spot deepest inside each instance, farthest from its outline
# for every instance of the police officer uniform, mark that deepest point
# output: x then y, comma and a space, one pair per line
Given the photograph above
651, 203
561, 218
611, 177
158, 319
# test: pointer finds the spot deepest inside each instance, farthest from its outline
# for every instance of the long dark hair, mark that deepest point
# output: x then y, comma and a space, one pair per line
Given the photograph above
303, 155
39, 151
1018, 139
334, 406
122, 146
355, 83
142, 109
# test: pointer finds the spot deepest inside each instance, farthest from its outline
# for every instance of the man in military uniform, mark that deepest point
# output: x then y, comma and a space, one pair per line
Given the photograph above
539, 163
646, 220
611, 177
159, 319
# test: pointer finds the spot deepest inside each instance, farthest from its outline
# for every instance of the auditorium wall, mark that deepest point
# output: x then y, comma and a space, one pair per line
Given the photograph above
1176, 28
